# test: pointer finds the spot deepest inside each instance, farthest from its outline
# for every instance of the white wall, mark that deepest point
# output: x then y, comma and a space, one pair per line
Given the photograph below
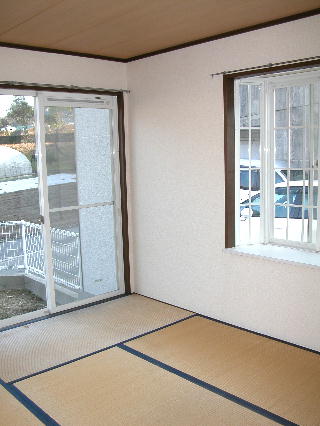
177, 173
39, 67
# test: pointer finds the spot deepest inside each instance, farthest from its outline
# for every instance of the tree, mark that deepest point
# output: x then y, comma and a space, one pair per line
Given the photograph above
57, 118
20, 113
3, 124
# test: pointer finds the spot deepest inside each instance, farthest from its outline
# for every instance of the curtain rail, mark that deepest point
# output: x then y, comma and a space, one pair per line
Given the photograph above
270, 65
59, 87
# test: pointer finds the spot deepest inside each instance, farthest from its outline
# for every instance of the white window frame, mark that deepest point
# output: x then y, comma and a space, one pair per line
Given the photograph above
76, 100
267, 83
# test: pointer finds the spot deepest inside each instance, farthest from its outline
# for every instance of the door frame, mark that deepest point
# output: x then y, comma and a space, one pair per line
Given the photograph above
119, 127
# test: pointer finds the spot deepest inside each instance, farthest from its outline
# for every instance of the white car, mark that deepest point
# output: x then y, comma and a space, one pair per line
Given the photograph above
280, 177
299, 208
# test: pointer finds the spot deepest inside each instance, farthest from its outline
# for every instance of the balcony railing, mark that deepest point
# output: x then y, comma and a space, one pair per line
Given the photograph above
21, 250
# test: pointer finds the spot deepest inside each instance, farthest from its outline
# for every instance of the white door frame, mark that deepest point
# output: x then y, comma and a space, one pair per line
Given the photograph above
77, 100
80, 100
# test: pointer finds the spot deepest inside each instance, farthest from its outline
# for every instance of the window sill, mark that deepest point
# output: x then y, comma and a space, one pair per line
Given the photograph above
278, 254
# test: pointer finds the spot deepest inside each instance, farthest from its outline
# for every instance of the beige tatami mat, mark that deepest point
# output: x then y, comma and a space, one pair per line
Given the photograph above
13, 413
117, 388
277, 377
40, 345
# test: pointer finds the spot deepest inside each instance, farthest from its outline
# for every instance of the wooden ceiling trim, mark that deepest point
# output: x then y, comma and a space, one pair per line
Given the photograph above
239, 31
61, 52
286, 19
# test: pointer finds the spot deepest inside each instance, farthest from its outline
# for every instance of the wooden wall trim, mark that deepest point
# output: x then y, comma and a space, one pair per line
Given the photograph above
124, 193
229, 160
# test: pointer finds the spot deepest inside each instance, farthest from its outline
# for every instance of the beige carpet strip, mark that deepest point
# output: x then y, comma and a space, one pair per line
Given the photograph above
40, 345
117, 388
13, 413
277, 377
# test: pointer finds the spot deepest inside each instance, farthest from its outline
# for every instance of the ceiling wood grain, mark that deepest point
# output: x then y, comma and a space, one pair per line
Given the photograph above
129, 28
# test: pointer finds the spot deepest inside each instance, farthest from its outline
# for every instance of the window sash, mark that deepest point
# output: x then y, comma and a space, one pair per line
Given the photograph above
267, 171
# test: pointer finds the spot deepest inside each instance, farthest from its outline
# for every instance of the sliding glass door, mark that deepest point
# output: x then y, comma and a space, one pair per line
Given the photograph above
80, 233
21, 239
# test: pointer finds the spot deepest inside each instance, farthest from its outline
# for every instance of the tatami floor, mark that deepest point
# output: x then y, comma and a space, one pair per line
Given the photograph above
136, 361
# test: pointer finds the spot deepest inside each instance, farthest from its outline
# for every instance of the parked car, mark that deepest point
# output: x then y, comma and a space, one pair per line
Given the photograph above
280, 177
281, 198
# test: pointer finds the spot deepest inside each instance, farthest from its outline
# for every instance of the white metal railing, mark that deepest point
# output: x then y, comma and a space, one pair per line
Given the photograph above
21, 250
11, 247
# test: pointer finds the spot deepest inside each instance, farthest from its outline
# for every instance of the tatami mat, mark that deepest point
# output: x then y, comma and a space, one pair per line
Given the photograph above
40, 345
277, 377
117, 388
13, 413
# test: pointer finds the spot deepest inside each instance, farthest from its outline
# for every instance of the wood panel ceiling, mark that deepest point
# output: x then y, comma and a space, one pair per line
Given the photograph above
126, 29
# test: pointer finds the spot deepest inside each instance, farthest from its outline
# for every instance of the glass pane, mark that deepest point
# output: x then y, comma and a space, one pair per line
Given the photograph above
295, 213
297, 149
84, 253
295, 194
297, 96
280, 222
297, 116
295, 224
296, 175
280, 211
244, 185
22, 283
256, 199
244, 148
315, 194
310, 194
255, 229
255, 148
255, 180
281, 149
255, 106
244, 105
315, 122
244, 224
280, 195
93, 151
98, 250
314, 226
297, 103
65, 235
305, 225
310, 226
280, 176
281, 108
60, 157
244, 178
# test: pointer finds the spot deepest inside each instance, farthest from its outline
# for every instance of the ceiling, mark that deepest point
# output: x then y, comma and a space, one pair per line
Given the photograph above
126, 29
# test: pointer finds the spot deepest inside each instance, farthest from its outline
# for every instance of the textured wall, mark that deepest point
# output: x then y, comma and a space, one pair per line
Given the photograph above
177, 172
39, 67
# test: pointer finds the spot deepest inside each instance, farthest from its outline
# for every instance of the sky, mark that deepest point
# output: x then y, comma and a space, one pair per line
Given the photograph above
6, 101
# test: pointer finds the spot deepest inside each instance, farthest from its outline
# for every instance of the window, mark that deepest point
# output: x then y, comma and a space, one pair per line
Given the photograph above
276, 159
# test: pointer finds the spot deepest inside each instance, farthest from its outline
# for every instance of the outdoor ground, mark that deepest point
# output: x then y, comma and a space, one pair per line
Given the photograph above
18, 302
